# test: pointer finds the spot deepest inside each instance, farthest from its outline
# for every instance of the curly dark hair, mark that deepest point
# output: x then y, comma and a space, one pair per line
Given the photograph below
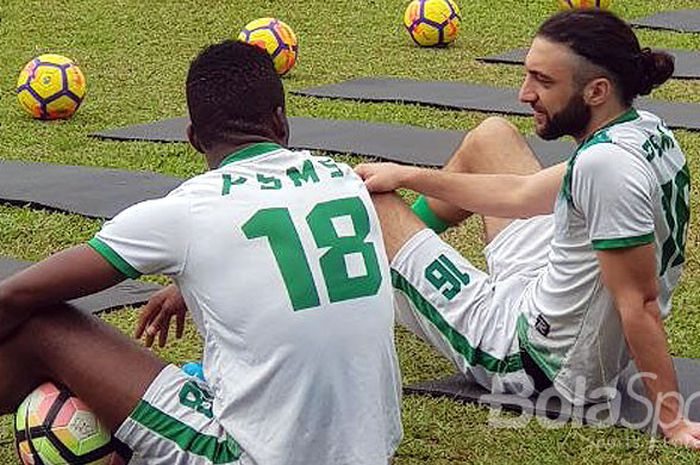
232, 87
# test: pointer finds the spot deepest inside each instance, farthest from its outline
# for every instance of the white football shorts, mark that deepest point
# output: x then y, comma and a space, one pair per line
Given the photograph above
466, 314
173, 424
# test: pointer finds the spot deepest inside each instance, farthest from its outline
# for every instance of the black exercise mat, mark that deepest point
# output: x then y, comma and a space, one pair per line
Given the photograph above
167, 130
461, 96
404, 144
625, 410
687, 61
128, 292
687, 20
92, 192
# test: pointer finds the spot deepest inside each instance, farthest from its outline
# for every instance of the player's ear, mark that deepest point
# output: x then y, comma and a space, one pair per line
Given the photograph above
280, 125
598, 91
193, 138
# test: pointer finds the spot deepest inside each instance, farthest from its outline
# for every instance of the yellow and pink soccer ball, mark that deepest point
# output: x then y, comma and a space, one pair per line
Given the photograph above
277, 38
574, 4
51, 87
52, 427
432, 23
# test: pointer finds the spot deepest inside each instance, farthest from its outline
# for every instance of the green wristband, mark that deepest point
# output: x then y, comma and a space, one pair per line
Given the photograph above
431, 220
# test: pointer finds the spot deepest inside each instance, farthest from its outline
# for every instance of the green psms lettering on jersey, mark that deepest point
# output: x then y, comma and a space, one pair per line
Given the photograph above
658, 144
307, 174
330, 164
269, 182
229, 182
299, 176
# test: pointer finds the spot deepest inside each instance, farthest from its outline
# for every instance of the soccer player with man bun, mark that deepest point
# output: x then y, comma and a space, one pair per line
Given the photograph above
277, 255
583, 257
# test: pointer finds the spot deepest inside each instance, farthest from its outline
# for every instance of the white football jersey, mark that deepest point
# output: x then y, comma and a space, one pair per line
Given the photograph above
279, 257
626, 185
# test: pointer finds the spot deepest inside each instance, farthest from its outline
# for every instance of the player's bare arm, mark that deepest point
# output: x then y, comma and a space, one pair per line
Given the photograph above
70, 274
74, 348
499, 195
630, 275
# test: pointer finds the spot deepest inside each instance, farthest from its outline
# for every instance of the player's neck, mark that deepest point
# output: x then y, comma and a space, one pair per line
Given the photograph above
217, 154
602, 117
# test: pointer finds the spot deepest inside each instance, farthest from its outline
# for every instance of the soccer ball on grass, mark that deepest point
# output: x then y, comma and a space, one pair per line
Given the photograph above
432, 23
277, 38
51, 87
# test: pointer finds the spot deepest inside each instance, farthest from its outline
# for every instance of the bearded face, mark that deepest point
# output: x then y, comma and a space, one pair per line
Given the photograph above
572, 120
554, 88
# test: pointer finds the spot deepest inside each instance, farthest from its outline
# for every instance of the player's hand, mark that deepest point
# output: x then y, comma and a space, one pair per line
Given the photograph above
685, 433
382, 177
155, 317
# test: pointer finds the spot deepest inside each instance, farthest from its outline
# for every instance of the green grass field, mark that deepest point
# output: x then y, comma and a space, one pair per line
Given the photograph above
135, 55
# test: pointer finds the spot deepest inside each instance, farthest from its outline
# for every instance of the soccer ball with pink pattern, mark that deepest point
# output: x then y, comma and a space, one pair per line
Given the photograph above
53, 427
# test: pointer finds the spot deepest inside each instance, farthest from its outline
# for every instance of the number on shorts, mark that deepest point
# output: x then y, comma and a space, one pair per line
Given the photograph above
196, 398
446, 277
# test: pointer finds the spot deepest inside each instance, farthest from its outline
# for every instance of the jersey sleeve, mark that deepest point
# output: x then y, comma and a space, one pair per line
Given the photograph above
147, 238
615, 192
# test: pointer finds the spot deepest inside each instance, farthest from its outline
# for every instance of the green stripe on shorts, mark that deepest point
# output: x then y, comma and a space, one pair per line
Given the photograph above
186, 437
473, 356
549, 363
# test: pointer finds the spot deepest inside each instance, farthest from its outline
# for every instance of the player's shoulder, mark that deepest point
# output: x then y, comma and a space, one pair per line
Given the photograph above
615, 151
609, 156
196, 186
174, 203
648, 118
609, 167
599, 149
637, 129
625, 137
180, 199
169, 210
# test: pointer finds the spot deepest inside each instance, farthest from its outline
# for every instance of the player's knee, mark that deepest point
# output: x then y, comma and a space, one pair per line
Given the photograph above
12, 395
494, 128
492, 131
16, 381
45, 332
29, 341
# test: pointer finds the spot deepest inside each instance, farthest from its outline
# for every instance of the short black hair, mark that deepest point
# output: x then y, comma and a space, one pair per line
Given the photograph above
232, 87
609, 43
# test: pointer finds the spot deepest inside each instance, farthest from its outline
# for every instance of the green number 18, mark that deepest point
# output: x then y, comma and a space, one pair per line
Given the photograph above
276, 224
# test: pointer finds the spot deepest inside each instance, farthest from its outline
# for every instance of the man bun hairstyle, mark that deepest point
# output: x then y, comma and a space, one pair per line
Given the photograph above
609, 43
656, 68
232, 88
